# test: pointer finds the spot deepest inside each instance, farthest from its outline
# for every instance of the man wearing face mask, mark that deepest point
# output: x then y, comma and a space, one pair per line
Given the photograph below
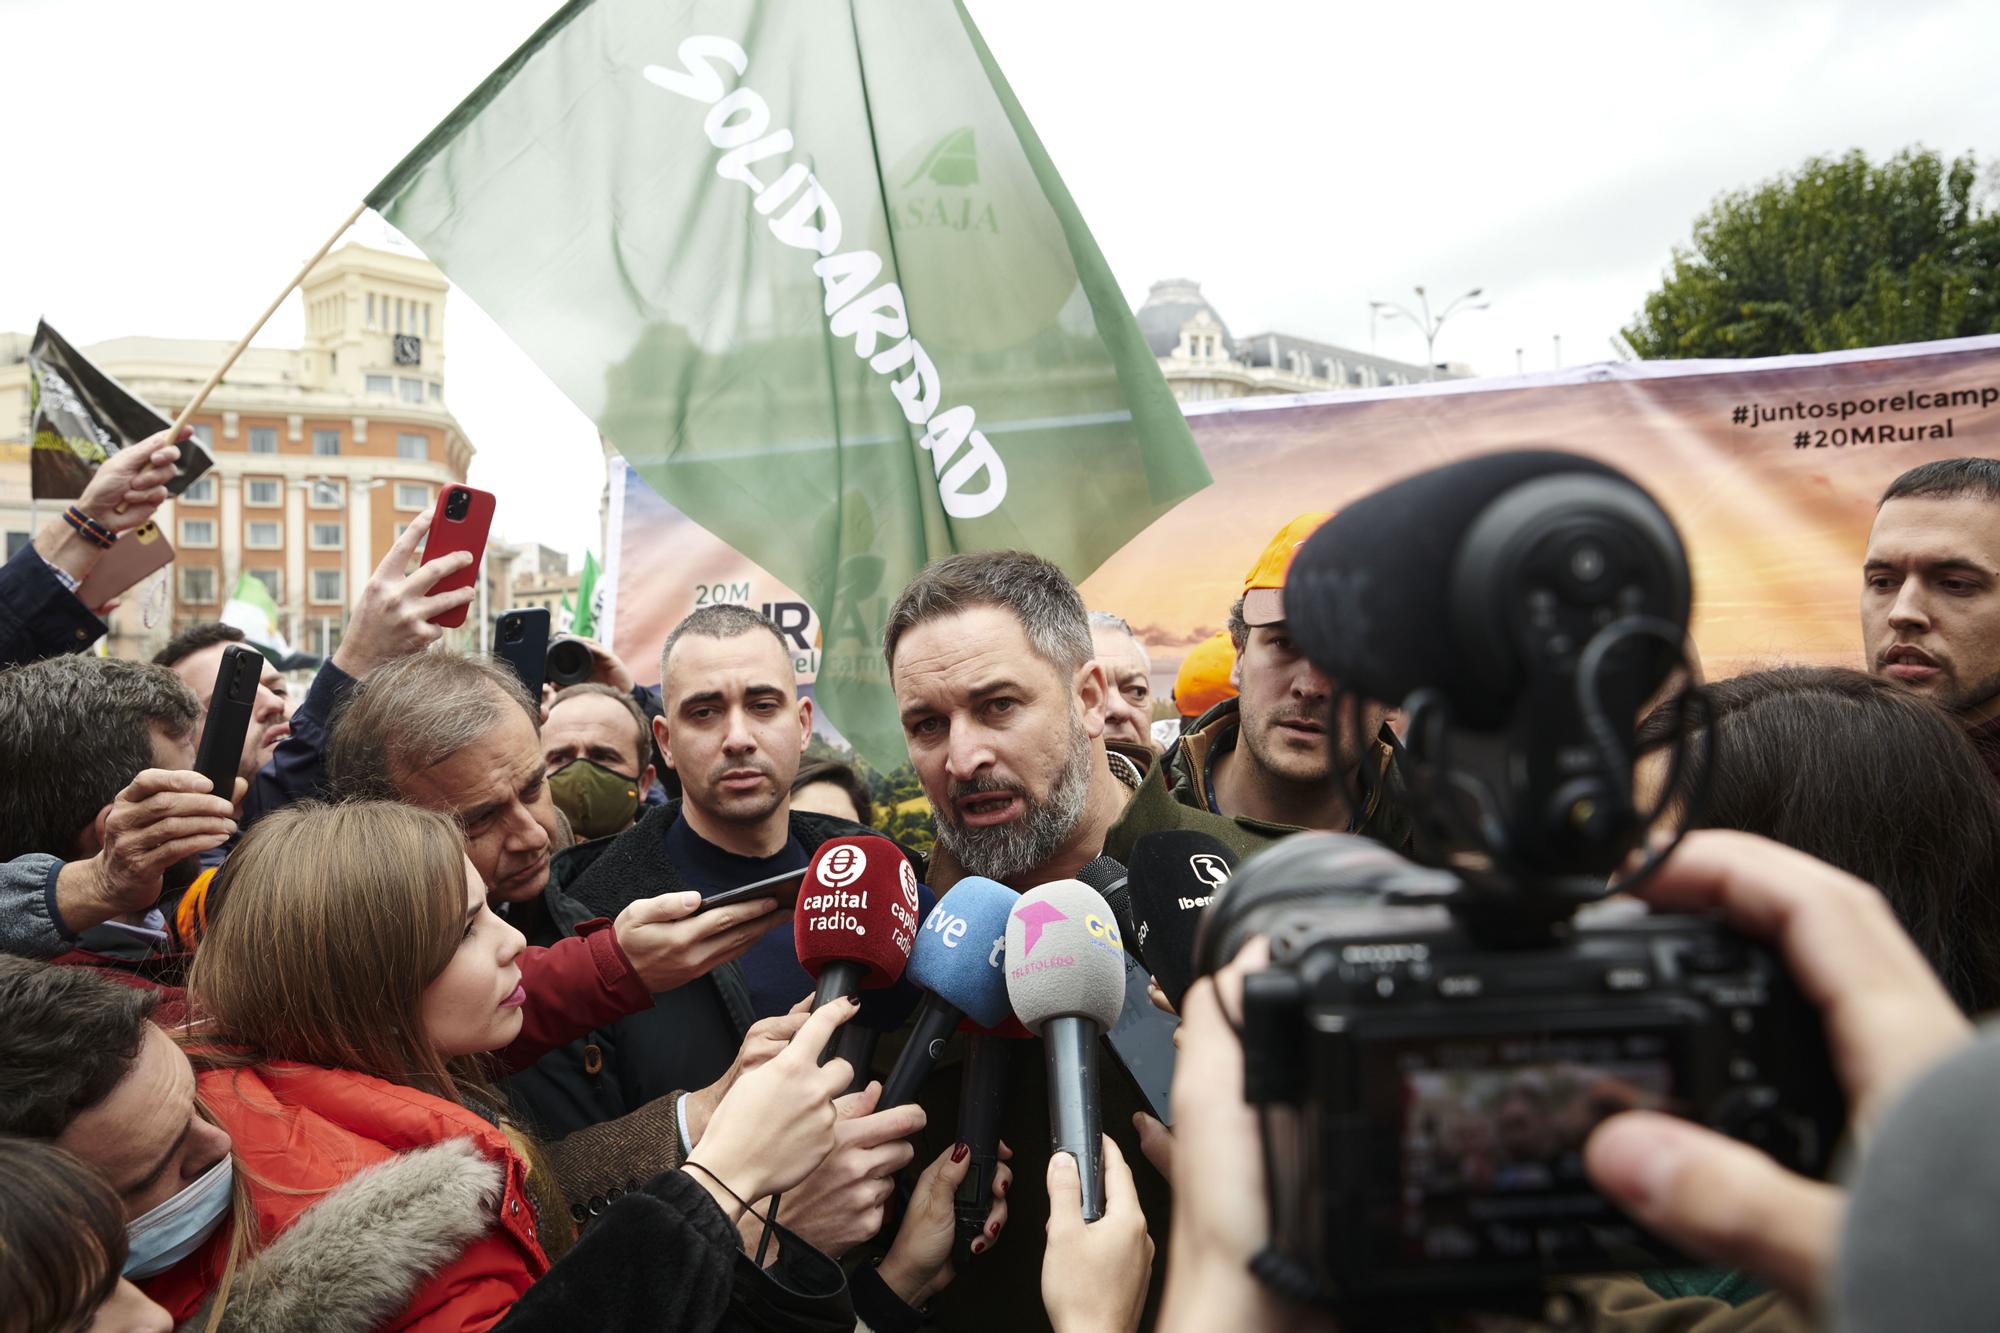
597, 743
83, 1066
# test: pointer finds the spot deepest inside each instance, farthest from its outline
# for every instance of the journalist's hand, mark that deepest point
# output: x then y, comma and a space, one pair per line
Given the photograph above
392, 618
1221, 1214
844, 1201
1886, 1017
606, 668
766, 1038
669, 944
161, 818
128, 486
1094, 1273
777, 1123
918, 1265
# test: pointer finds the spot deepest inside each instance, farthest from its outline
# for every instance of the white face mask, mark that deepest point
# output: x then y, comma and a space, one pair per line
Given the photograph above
171, 1231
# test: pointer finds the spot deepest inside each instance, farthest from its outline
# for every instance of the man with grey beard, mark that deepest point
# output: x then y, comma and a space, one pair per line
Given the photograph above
1003, 710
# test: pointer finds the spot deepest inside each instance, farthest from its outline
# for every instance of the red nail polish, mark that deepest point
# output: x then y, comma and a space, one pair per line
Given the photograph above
978, 1247
958, 1152
993, 1230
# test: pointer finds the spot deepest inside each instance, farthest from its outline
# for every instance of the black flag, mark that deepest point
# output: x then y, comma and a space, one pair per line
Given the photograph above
81, 416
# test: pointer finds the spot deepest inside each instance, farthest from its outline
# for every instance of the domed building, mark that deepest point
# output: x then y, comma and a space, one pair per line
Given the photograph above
1203, 361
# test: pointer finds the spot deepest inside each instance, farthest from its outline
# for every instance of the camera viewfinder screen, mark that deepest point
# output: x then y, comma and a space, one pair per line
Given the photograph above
1490, 1142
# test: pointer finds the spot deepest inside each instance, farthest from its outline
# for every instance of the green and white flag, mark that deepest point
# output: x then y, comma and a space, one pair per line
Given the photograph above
566, 617
810, 270
251, 610
586, 599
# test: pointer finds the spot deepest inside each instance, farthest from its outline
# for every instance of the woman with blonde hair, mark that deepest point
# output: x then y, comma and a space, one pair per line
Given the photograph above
350, 981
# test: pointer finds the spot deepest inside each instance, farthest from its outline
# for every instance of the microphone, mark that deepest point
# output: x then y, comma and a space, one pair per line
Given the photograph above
1915, 1249
1418, 585
1108, 877
982, 1099
958, 961
856, 919
1174, 874
1066, 981
883, 1010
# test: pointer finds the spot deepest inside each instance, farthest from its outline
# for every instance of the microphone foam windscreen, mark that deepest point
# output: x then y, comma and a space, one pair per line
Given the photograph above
1916, 1249
961, 946
858, 904
1064, 956
1369, 595
1174, 874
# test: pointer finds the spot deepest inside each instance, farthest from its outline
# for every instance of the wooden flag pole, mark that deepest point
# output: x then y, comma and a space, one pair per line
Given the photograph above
201, 394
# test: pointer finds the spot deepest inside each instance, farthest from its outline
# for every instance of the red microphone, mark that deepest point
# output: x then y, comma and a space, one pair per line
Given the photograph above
856, 917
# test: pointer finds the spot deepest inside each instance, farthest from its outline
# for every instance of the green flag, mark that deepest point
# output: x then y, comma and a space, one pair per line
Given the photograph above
586, 595
809, 269
566, 618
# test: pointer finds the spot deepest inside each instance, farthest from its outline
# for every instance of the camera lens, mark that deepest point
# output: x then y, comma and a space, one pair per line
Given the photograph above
511, 631
568, 663
457, 504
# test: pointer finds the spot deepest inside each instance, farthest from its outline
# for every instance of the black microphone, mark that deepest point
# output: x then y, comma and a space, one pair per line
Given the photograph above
1066, 981
1174, 874
1108, 877
882, 1010
982, 1098
1418, 585
957, 960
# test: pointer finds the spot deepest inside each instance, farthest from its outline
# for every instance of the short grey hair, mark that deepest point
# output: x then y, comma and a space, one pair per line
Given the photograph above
1038, 594
415, 713
643, 730
724, 620
1106, 620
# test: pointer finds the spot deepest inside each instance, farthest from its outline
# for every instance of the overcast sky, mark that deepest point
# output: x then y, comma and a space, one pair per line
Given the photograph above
170, 163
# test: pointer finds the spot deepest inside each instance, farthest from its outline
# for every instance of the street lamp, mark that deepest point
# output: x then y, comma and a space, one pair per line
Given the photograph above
1429, 324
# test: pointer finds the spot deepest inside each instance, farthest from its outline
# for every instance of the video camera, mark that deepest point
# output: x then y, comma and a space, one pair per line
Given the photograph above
1431, 1044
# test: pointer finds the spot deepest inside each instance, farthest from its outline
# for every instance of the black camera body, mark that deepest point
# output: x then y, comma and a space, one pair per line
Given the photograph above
1436, 1087
1431, 1044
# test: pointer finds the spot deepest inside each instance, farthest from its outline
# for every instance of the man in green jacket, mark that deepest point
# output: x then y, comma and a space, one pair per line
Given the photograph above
1275, 759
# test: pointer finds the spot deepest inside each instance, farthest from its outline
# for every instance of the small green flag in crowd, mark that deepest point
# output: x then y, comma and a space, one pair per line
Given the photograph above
810, 270
566, 617
586, 599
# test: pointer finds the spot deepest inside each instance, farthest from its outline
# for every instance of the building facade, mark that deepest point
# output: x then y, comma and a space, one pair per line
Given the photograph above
323, 453
1203, 361
542, 578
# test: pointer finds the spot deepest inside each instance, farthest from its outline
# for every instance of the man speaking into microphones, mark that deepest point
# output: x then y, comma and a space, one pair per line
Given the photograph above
1066, 980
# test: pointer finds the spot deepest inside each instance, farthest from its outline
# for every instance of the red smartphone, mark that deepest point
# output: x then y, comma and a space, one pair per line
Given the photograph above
459, 523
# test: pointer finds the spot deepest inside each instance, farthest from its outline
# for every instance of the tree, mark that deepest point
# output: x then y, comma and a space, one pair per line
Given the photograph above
1836, 254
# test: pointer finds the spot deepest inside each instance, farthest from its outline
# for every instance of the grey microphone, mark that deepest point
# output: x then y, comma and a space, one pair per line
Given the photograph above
1066, 981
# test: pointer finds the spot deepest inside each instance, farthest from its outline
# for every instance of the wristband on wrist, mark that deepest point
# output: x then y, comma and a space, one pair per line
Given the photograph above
89, 528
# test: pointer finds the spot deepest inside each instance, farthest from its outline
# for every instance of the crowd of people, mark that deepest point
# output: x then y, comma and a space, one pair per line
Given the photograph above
424, 1024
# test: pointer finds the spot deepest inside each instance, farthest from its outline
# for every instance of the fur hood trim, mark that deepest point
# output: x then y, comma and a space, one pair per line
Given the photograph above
357, 1257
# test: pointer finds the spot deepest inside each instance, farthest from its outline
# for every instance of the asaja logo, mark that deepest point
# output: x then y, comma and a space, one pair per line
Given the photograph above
951, 162
940, 190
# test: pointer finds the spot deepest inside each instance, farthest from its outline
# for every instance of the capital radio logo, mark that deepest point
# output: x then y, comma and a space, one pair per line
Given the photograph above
843, 865
907, 878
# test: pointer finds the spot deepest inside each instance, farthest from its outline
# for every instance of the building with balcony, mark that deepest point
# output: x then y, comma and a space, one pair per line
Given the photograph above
323, 453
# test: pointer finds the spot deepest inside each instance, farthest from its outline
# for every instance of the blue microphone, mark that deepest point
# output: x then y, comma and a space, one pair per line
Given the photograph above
957, 961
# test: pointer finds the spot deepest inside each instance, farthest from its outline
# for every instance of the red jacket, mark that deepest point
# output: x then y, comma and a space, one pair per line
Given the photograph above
300, 1130
581, 982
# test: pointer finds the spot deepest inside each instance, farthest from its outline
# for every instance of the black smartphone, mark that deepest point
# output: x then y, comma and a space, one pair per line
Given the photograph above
1142, 1044
521, 640
785, 888
220, 753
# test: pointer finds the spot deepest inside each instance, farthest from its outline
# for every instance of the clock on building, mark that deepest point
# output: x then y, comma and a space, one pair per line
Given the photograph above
409, 351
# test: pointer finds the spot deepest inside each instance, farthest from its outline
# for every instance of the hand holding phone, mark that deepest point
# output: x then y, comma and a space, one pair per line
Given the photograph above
459, 523
783, 887
220, 753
